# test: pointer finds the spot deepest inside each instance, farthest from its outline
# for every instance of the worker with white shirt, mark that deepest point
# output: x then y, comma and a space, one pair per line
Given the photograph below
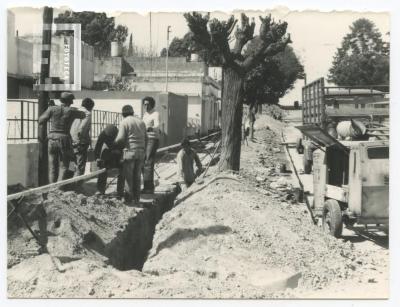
151, 119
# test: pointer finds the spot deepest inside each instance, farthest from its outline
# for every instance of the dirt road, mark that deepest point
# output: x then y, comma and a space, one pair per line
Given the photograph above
232, 236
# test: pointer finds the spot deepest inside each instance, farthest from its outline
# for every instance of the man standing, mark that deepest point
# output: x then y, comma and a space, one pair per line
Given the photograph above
151, 119
185, 158
60, 143
132, 136
109, 155
80, 133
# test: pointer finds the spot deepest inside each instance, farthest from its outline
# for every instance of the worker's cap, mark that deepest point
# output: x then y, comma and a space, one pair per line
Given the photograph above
127, 109
67, 96
185, 142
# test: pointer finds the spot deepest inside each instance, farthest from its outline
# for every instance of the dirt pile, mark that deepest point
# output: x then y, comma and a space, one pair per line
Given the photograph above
231, 236
79, 226
260, 234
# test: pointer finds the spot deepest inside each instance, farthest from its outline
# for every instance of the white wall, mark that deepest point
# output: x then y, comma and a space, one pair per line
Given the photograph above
22, 164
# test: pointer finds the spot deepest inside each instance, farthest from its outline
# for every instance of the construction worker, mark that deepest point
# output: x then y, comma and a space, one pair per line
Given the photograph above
132, 137
109, 155
80, 133
185, 159
151, 119
59, 138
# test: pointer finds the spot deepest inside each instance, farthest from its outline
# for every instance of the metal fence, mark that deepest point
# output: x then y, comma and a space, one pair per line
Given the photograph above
22, 120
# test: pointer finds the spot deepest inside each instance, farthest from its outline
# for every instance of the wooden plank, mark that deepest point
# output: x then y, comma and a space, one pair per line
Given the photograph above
164, 149
357, 100
47, 188
349, 113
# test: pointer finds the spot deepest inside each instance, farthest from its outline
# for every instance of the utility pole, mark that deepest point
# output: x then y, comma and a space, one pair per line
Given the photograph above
151, 51
166, 59
44, 95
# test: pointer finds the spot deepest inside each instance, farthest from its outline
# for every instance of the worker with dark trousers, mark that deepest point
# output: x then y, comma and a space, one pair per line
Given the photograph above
132, 137
59, 138
108, 155
186, 157
80, 133
151, 119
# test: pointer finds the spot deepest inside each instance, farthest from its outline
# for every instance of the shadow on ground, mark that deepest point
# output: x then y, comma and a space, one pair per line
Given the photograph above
186, 234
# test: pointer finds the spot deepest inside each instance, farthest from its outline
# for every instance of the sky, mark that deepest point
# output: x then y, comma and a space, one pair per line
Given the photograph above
315, 35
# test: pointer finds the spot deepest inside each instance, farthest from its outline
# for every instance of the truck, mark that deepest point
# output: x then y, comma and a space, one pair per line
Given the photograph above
350, 178
326, 106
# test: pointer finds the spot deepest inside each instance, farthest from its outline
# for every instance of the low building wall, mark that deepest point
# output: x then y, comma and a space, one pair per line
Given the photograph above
22, 164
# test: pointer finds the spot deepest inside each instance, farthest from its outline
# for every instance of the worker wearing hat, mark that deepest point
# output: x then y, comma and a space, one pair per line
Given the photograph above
59, 139
132, 137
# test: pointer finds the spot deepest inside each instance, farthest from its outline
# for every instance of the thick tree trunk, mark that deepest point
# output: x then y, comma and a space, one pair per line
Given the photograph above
232, 112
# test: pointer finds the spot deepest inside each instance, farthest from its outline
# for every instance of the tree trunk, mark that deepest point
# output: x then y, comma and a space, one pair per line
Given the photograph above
232, 112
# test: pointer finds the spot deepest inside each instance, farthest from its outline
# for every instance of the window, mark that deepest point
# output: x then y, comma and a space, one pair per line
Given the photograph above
378, 153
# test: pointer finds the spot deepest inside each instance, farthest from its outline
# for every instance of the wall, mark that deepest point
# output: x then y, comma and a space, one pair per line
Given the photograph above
22, 164
107, 68
156, 66
12, 65
194, 115
173, 118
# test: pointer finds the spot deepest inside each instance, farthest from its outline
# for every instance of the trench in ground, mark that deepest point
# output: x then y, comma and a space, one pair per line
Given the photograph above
129, 249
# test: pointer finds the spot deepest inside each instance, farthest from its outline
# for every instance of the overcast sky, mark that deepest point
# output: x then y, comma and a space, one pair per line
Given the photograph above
315, 35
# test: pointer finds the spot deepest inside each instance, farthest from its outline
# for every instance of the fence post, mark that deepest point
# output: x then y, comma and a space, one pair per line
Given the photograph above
22, 119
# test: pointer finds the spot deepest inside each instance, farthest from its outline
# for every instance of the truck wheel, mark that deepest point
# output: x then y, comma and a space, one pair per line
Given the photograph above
332, 221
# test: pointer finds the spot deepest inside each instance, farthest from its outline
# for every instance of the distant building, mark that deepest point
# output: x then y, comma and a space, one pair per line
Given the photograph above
189, 78
19, 63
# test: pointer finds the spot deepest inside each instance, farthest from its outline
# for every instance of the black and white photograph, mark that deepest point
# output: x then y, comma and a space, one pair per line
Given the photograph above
197, 154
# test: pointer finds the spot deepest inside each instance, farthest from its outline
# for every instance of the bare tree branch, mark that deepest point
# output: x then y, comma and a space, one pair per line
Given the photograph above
272, 41
244, 33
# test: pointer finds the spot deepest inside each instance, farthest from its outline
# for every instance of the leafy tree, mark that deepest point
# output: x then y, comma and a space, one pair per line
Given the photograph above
271, 79
130, 48
179, 47
363, 58
212, 39
97, 29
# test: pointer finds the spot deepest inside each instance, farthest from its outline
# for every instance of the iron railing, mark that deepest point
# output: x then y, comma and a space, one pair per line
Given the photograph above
22, 120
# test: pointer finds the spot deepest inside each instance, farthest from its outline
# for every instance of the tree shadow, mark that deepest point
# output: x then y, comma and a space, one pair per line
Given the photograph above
186, 234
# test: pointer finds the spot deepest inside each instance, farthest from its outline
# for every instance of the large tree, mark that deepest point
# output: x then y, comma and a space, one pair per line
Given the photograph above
212, 37
271, 79
97, 29
363, 58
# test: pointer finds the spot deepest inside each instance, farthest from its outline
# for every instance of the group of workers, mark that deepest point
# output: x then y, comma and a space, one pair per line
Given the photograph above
131, 148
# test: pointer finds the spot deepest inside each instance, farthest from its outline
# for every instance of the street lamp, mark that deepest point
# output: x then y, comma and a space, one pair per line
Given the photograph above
166, 59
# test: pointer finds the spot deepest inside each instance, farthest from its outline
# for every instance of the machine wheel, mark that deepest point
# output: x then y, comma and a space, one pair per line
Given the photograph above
332, 221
